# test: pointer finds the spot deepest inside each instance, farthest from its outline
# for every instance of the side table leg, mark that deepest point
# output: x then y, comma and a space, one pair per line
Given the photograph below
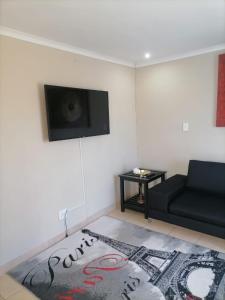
122, 195
163, 177
146, 199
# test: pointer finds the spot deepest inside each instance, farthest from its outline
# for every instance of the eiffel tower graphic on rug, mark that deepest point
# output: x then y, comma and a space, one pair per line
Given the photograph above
169, 271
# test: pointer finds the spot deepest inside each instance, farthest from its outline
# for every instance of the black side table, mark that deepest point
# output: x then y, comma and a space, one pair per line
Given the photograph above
133, 202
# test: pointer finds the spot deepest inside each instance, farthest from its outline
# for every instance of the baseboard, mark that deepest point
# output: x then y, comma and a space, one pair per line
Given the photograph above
35, 251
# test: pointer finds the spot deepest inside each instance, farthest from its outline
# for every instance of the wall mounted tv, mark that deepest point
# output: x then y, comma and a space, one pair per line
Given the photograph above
74, 113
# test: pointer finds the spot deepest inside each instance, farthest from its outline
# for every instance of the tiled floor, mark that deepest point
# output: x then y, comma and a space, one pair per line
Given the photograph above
11, 290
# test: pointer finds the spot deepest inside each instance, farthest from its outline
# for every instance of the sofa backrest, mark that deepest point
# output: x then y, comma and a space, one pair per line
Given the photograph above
206, 176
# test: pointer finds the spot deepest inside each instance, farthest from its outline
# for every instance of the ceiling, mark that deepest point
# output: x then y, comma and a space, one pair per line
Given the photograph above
120, 30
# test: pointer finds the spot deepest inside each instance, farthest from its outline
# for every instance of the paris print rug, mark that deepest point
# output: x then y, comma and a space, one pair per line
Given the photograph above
113, 260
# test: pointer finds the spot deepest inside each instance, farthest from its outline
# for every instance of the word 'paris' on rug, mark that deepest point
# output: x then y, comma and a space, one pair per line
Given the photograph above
112, 260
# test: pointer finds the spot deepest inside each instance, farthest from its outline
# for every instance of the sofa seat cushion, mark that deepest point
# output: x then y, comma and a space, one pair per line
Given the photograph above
199, 206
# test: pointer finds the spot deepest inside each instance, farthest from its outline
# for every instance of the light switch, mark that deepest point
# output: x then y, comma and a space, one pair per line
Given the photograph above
185, 126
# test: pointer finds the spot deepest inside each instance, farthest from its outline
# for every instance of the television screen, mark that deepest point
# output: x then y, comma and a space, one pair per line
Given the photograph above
74, 113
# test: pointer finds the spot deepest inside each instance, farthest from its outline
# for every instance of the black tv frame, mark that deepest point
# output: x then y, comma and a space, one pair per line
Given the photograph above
73, 133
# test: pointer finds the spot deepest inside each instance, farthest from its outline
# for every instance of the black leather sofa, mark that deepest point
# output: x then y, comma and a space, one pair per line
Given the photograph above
195, 201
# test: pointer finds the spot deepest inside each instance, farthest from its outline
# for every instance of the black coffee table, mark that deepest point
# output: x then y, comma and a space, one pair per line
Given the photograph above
135, 202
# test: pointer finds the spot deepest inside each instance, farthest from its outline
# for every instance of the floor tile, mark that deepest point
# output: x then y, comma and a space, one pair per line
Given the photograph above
23, 295
129, 216
211, 242
138, 219
8, 286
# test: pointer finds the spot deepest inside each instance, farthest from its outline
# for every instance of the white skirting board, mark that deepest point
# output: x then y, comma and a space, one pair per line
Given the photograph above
11, 264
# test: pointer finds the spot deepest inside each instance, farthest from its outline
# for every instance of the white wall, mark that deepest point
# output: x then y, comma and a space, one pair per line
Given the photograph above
167, 94
38, 178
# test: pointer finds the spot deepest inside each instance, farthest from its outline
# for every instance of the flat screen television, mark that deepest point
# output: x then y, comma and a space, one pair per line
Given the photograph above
74, 113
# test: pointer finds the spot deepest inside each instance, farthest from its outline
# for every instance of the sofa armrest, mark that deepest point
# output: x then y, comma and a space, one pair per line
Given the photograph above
160, 195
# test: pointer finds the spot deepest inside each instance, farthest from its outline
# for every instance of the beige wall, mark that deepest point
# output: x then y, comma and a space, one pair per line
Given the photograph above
38, 178
167, 94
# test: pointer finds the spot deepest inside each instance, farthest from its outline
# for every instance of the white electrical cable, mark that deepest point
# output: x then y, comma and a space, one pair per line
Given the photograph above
83, 177
83, 189
65, 224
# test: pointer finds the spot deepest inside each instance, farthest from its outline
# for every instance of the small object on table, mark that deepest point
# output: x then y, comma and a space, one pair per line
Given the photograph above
141, 196
143, 177
141, 172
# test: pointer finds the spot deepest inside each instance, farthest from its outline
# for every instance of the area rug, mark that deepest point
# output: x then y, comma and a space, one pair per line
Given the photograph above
112, 260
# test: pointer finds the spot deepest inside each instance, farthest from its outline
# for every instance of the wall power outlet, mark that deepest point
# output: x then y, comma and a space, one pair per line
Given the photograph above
62, 214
